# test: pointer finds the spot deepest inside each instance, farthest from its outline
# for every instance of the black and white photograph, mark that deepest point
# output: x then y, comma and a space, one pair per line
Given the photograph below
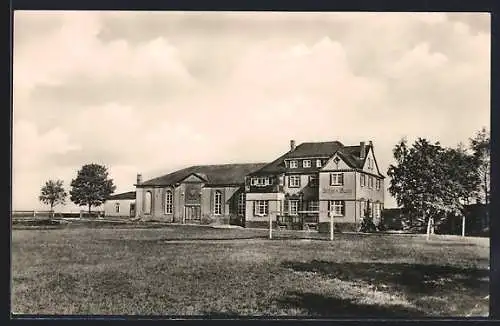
250, 164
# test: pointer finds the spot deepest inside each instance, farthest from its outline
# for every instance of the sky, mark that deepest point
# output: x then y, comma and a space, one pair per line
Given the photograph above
152, 92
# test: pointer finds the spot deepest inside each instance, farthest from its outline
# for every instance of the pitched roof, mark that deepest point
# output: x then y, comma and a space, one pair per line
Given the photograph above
350, 154
123, 196
221, 174
315, 149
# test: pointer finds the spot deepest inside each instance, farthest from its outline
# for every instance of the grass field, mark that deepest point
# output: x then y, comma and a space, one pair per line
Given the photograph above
186, 270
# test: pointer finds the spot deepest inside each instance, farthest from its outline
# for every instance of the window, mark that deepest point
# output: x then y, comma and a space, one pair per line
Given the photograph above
369, 163
362, 208
362, 180
313, 180
318, 163
261, 181
293, 164
377, 184
370, 182
241, 204
314, 205
377, 210
336, 207
293, 207
147, 202
117, 208
218, 203
336, 179
168, 202
261, 208
294, 181
306, 163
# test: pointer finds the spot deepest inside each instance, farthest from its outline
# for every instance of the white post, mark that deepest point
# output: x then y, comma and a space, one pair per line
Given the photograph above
331, 226
34, 213
270, 226
428, 229
463, 226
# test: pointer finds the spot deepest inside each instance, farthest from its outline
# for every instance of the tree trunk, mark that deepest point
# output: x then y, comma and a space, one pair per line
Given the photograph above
51, 216
89, 209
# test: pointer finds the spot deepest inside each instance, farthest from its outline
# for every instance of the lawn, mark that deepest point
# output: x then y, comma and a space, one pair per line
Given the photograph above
182, 270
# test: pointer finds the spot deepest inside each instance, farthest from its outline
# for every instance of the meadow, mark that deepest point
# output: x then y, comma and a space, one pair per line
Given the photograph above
234, 273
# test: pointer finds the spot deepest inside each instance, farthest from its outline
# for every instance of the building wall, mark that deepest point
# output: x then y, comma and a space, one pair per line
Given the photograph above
344, 192
274, 200
206, 203
110, 207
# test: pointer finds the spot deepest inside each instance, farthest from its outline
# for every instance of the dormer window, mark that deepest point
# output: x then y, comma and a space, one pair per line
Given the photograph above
306, 163
293, 164
261, 181
318, 163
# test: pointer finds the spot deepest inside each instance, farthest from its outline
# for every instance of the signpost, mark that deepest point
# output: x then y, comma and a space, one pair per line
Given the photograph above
270, 226
331, 226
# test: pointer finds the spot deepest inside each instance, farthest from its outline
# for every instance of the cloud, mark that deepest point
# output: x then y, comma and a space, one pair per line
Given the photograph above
153, 92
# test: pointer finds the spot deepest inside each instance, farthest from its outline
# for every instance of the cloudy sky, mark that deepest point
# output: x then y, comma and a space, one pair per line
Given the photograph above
151, 92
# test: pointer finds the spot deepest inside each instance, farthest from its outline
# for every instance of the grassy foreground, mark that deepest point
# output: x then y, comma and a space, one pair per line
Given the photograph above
185, 270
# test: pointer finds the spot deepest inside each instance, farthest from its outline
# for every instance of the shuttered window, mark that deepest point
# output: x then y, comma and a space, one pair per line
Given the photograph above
261, 207
336, 207
336, 179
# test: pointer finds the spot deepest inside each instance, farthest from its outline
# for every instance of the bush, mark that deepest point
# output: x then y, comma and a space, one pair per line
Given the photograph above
367, 225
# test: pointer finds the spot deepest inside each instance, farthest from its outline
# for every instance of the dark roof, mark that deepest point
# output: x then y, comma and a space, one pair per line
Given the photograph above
350, 154
122, 196
315, 149
222, 174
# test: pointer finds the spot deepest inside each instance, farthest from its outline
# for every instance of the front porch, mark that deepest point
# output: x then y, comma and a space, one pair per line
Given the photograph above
303, 220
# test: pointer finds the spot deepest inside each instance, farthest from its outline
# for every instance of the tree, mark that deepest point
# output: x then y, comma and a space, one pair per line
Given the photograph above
53, 193
480, 145
431, 182
91, 186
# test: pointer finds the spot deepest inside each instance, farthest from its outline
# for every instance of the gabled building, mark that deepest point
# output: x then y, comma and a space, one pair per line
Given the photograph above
120, 205
314, 181
197, 194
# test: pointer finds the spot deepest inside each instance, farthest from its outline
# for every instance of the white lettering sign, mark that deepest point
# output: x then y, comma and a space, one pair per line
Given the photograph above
336, 190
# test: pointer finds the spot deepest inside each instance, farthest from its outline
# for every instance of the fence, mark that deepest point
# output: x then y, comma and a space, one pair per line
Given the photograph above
40, 214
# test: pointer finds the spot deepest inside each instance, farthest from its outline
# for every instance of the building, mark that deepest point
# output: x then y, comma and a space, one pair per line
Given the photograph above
198, 194
120, 205
303, 188
315, 181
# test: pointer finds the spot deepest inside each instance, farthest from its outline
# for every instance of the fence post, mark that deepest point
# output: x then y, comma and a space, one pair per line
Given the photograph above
270, 226
463, 226
34, 213
331, 226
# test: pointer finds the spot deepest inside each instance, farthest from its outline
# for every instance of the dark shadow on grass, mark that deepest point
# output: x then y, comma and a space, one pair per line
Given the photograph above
413, 279
319, 305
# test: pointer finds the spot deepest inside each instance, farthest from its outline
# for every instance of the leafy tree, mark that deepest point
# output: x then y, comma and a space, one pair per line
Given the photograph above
53, 193
480, 145
430, 181
91, 186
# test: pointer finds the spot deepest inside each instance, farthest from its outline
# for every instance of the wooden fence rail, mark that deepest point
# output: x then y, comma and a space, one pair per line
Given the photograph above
40, 214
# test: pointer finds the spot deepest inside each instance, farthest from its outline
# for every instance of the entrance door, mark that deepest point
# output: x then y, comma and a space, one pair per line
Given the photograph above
192, 214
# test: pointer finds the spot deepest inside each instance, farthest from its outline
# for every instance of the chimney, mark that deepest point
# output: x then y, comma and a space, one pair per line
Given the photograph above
362, 152
139, 178
371, 143
292, 145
